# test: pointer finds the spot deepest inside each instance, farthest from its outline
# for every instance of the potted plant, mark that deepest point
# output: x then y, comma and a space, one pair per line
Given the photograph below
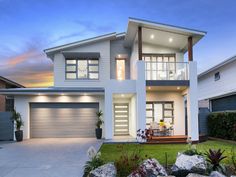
98, 124
16, 117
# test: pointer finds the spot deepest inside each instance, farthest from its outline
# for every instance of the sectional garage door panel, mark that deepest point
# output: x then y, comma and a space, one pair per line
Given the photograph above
61, 120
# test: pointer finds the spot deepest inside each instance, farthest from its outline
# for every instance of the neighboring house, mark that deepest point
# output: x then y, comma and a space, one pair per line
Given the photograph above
135, 78
217, 87
7, 102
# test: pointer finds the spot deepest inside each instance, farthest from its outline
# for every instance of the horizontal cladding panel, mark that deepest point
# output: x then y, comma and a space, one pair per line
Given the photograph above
49, 120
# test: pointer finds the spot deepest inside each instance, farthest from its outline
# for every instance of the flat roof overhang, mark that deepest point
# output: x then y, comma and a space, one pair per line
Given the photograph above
178, 34
53, 91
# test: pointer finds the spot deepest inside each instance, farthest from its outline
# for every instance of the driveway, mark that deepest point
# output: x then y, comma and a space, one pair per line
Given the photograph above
45, 157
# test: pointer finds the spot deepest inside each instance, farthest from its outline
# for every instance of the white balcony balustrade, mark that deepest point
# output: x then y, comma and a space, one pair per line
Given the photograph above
166, 70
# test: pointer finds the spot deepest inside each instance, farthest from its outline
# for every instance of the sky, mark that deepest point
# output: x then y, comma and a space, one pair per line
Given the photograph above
30, 26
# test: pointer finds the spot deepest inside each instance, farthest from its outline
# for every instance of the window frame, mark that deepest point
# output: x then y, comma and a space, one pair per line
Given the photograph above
163, 110
215, 76
161, 66
76, 68
124, 59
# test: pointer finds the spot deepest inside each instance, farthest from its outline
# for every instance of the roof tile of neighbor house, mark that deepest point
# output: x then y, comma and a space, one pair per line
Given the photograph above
10, 82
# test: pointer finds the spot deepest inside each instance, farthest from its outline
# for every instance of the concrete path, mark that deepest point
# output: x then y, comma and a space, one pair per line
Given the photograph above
45, 157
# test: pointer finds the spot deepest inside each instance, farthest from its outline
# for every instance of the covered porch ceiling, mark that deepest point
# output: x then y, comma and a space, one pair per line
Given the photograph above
162, 34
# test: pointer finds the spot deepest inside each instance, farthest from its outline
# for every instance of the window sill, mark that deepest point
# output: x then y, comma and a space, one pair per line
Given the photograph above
80, 80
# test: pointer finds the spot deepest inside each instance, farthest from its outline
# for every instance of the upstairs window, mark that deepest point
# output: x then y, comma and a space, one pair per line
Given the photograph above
82, 69
217, 76
120, 69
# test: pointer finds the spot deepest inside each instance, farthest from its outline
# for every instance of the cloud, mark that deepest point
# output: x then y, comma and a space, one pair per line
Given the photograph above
28, 66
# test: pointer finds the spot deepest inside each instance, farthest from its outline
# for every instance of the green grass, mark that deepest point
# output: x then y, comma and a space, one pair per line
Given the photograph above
110, 152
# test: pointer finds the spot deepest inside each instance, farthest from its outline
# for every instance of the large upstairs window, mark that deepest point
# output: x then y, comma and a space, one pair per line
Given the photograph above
82, 69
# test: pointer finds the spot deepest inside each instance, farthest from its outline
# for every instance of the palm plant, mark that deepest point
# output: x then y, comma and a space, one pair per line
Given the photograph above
16, 117
99, 121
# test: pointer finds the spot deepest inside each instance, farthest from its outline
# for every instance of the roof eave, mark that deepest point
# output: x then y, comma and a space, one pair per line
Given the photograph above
51, 91
10, 82
172, 27
50, 51
225, 62
196, 34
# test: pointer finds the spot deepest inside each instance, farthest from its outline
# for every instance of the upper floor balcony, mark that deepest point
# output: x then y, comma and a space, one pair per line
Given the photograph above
166, 71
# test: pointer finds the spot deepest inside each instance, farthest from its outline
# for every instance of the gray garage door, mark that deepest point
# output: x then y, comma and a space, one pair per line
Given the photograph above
55, 120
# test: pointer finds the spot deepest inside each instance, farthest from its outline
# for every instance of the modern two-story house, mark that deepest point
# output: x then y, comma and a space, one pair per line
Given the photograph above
135, 78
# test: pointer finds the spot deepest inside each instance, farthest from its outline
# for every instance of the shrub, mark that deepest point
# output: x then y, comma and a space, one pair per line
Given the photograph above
214, 157
16, 117
128, 161
233, 157
222, 125
192, 150
94, 162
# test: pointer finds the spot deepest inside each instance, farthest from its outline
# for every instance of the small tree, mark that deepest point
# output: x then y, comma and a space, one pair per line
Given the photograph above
99, 121
16, 117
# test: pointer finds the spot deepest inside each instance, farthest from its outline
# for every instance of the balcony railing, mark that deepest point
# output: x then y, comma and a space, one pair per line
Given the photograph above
166, 70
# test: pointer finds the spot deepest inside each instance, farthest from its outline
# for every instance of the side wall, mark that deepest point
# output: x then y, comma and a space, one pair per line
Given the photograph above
179, 113
22, 105
2, 98
104, 66
118, 48
208, 87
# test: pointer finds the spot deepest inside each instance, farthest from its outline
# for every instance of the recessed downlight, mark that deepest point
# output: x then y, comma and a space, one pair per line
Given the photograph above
170, 39
122, 95
152, 36
178, 88
149, 88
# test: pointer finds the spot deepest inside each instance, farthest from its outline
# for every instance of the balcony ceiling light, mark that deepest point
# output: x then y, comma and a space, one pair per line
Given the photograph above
149, 88
122, 95
152, 36
178, 88
170, 39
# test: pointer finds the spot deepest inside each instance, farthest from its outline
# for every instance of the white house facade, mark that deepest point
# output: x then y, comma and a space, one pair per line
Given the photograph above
217, 86
135, 78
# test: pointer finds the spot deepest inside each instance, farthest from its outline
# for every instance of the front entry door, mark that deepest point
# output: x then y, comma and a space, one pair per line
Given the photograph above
121, 119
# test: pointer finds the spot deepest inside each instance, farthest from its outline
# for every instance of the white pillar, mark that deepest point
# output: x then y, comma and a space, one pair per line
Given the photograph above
192, 105
108, 122
141, 96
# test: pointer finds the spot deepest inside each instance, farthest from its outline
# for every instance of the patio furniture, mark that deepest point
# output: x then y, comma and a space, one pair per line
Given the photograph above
156, 130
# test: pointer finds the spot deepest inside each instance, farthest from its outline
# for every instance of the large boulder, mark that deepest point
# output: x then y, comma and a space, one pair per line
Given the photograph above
216, 174
195, 175
186, 164
149, 168
107, 170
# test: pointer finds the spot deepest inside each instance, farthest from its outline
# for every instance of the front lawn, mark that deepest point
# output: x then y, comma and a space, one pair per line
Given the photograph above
110, 152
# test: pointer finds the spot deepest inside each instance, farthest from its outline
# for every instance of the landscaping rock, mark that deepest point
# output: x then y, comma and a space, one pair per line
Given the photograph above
107, 170
150, 168
186, 164
216, 174
195, 175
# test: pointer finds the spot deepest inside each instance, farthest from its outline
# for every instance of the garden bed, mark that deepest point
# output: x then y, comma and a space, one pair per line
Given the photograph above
109, 151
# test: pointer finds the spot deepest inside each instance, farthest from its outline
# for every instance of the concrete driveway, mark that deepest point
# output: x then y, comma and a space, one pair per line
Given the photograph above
45, 157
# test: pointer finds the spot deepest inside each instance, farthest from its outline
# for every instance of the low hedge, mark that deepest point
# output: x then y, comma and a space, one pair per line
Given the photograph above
222, 125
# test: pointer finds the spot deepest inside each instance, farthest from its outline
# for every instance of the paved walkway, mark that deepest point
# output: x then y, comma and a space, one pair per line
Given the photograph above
45, 157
